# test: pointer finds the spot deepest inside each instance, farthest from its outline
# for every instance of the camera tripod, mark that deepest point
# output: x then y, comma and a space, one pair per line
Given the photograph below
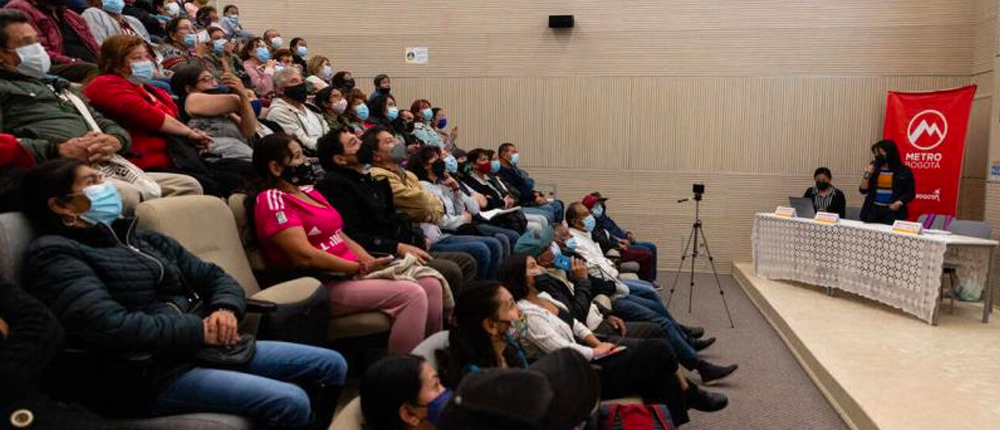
697, 233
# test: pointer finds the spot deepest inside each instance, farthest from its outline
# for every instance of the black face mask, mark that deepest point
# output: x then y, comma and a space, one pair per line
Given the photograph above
298, 93
880, 159
438, 168
464, 168
365, 154
349, 83
301, 174
822, 185
544, 282
221, 89
384, 90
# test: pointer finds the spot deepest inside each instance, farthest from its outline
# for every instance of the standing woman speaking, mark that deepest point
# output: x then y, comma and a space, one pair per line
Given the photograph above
888, 186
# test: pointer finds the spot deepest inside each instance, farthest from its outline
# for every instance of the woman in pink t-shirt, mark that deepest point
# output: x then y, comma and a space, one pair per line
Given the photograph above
297, 227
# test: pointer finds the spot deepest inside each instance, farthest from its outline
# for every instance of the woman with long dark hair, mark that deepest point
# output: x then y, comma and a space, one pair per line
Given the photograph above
297, 228
402, 393
888, 185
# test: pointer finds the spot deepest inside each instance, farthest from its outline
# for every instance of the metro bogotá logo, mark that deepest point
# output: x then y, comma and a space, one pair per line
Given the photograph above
927, 129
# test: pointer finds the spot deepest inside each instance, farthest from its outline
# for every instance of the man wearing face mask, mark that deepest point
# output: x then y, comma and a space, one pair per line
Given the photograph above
105, 19
533, 201
408, 195
824, 195
636, 300
64, 35
290, 111
369, 215
383, 87
273, 39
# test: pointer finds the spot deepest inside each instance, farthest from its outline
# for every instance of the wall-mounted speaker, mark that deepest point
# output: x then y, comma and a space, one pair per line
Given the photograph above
561, 21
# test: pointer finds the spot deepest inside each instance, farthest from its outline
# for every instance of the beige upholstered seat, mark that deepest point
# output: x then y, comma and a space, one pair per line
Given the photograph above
341, 327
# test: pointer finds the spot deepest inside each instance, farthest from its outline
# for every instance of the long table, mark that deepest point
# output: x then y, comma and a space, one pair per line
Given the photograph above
870, 260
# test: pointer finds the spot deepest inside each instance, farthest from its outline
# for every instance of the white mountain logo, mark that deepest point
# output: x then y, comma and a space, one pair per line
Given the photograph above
927, 129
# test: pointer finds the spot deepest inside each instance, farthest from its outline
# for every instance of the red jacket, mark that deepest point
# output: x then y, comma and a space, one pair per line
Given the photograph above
49, 34
124, 102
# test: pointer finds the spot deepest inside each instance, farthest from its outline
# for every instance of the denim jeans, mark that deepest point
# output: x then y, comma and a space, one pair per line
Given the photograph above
264, 389
644, 304
486, 251
552, 211
511, 236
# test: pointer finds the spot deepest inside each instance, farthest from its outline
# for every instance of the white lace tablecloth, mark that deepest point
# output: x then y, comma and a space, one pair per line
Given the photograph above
900, 270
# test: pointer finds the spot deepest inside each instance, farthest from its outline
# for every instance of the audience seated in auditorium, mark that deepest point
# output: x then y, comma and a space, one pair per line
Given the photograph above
439, 121
481, 178
207, 17
461, 213
523, 185
357, 114
383, 87
64, 35
645, 366
259, 65
320, 72
610, 236
369, 216
637, 300
191, 6
284, 57
220, 54
297, 228
273, 39
71, 130
104, 19
224, 113
333, 104
420, 206
422, 128
290, 111
181, 42
148, 14
402, 392
343, 81
383, 110
114, 303
122, 92
231, 24
888, 186
824, 195
300, 50
29, 338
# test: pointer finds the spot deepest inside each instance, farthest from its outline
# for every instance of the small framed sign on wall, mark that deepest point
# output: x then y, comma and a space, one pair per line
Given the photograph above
416, 55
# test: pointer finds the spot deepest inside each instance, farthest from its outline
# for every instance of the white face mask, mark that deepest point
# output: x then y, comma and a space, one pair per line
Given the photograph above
35, 61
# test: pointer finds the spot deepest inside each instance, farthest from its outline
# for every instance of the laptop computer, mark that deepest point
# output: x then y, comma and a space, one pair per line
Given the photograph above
803, 207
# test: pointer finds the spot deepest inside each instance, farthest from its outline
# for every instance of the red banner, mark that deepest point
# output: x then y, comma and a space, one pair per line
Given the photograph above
929, 130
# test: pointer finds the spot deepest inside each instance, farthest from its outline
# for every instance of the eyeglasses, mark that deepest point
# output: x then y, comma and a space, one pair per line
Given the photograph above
207, 79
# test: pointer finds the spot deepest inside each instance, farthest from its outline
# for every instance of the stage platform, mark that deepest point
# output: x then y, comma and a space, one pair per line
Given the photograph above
881, 368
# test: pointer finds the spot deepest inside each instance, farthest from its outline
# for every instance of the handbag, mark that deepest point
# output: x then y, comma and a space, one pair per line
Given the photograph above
237, 354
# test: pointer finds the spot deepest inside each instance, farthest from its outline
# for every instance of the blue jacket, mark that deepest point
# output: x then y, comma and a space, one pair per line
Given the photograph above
521, 182
609, 224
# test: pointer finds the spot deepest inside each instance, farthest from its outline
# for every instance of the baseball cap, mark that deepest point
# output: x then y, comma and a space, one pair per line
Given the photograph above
534, 242
592, 199
557, 392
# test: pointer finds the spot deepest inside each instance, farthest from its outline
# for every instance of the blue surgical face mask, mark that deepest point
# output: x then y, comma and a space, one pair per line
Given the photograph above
326, 73
263, 54
494, 166
35, 62
393, 113
113, 6
190, 40
451, 164
362, 111
442, 123
105, 203
598, 211
142, 71
571, 244
427, 113
435, 407
219, 45
276, 42
234, 20
589, 223
514, 159
302, 50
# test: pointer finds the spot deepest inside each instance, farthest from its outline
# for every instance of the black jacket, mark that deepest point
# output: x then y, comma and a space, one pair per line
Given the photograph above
365, 204
904, 189
494, 192
121, 293
577, 301
838, 204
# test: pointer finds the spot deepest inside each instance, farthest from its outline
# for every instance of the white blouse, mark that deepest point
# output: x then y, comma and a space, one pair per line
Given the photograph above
547, 333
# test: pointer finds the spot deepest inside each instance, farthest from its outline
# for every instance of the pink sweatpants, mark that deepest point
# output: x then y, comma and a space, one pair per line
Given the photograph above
415, 308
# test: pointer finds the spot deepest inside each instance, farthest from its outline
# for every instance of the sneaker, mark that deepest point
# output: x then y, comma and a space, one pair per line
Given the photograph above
710, 372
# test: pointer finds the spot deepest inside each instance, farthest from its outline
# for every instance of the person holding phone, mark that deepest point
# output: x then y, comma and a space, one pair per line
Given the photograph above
888, 186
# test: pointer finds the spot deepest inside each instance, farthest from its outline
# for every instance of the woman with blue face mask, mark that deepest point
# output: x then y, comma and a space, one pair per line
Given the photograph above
358, 113
402, 392
257, 62
423, 130
141, 292
300, 50
181, 41
105, 19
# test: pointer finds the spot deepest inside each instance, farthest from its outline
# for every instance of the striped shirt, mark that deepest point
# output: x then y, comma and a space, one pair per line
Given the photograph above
821, 202
883, 192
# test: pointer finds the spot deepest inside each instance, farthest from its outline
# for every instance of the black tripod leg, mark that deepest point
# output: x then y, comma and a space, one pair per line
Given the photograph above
711, 260
680, 268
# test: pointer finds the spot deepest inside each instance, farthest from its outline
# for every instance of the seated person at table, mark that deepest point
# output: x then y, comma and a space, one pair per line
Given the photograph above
297, 228
610, 236
122, 293
824, 195
637, 300
888, 186
370, 218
